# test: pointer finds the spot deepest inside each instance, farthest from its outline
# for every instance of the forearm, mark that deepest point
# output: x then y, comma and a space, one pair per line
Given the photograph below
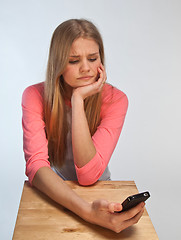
53, 186
100, 212
83, 147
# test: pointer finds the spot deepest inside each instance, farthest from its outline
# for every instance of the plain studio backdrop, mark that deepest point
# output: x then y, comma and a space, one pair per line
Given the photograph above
143, 58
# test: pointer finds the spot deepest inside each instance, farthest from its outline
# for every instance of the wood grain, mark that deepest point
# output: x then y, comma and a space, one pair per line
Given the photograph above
41, 218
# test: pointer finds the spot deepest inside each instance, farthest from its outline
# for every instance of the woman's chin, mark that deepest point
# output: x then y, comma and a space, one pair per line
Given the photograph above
86, 83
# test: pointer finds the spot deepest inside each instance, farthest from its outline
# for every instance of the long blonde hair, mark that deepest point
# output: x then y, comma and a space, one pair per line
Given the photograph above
54, 96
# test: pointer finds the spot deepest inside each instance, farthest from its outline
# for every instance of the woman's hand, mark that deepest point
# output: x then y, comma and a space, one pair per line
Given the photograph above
93, 88
104, 214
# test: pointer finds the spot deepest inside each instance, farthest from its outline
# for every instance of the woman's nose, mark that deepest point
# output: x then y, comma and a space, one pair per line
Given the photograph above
84, 66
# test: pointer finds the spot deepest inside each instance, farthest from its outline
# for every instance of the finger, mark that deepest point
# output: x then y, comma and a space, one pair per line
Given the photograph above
100, 74
111, 207
104, 72
133, 211
100, 82
118, 207
133, 220
97, 86
114, 207
102, 79
102, 67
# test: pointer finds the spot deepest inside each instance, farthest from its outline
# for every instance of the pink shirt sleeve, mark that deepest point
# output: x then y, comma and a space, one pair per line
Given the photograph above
113, 112
35, 144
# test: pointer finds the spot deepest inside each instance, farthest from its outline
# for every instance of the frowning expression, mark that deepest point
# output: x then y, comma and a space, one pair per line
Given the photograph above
84, 60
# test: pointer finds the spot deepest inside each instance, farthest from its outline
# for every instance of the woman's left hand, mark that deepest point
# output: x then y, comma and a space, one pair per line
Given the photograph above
92, 88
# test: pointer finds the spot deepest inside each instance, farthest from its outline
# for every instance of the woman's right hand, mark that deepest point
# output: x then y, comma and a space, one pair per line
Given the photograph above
104, 214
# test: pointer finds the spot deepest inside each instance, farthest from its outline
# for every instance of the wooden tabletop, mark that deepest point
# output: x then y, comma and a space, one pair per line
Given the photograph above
39, 217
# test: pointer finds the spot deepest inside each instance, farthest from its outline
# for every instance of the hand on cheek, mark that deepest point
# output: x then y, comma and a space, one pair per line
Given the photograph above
102, 74
94, 87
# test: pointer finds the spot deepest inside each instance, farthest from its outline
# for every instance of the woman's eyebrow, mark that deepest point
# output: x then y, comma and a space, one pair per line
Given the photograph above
91, 54
75, 56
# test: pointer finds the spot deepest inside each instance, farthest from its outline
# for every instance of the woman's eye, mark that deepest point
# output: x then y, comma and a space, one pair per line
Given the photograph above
73, 62
77, 61
92, 59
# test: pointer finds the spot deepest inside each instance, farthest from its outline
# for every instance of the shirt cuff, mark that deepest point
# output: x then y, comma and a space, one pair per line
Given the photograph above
91, 172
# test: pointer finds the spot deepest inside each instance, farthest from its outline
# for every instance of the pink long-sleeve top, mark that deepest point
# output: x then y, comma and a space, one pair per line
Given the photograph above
35, 144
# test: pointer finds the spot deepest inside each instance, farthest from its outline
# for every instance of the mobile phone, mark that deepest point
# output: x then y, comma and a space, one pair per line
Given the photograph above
134, 200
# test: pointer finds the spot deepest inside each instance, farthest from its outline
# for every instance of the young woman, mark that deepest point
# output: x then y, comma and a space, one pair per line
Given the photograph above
72, 122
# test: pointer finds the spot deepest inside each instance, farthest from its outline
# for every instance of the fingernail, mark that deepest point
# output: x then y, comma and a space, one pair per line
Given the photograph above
143, 204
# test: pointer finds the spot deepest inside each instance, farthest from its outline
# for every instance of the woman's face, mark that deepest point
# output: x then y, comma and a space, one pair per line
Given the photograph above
82, 68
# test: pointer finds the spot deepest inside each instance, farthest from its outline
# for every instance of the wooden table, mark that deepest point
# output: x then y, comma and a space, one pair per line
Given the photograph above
41, 218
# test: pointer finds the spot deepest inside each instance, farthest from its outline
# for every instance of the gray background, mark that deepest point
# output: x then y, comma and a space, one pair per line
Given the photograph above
143, 58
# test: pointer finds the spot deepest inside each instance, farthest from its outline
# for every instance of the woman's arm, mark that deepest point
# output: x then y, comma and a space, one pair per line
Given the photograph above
100, 212
92, 154
106, 135
83, 147
47, 181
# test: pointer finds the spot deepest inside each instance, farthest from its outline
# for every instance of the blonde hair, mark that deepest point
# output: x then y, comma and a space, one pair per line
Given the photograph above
54, 96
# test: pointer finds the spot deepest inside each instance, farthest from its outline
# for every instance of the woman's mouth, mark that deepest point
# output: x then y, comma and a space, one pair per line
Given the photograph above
84, 78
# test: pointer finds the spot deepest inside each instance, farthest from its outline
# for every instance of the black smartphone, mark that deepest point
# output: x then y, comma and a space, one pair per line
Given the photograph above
134, 200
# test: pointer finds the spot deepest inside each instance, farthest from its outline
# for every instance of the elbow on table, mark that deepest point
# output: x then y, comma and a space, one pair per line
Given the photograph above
91, 172
86, 183
87, 180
